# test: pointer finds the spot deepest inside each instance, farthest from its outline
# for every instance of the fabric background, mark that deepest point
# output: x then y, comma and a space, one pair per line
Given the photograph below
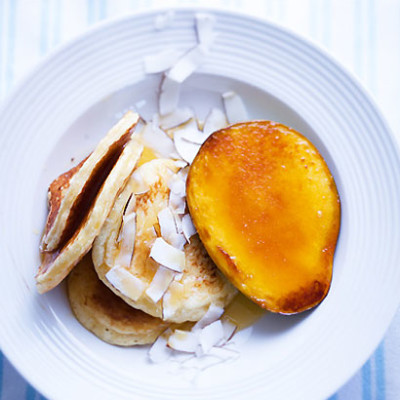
363, 35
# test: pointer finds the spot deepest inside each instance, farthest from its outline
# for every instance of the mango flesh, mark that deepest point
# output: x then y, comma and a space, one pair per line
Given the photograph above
267, 209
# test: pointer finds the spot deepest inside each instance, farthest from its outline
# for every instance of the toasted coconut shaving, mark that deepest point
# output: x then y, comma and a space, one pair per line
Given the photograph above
176, 118
162, 61
215, 121
191, 133
125, 282
156, 139
167, 223
187, 64
159, 351
167, 255
213, 314
183, 341
209, 342
177, 203
188, 228
177, 185
168, 229
211, 335
186, 149
181, 164
160, 283
141, 186
128, 233
205, 28
234, 107
178, 222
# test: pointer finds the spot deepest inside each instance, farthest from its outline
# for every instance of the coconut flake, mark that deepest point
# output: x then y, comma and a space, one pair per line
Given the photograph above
162, 21
177, 185
234, 107
211, 335
162, 61
183, 341
169, 95
160, 283
128, 284
204, 28
178, 277
213, 314
167, 310
141, 186
177, 203
167, 223
188, 63
156, 139
183, 174
187, 150
128, 234
167, 255
168, 229
188, 228
215, 121
178, 222
176, 118
159, 351
179, 241
191, 133
130, 206
181, 164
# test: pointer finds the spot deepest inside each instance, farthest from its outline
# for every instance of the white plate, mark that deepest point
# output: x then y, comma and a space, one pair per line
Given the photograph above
67, 105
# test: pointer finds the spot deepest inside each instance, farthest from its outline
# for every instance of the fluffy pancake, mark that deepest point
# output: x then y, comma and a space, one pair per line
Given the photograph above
58, 263
201, 284
83, 183
100, 311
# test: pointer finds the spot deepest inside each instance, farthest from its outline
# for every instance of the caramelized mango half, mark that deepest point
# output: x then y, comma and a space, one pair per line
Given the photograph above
268, 212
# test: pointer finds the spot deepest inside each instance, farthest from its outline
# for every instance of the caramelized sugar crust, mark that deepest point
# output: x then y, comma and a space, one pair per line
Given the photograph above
268, 212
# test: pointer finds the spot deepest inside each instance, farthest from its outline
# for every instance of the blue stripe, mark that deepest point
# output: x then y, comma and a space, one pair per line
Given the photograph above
281, 11
57, 23
11, 43
44, 27
1, 374
90, 11
358, 38
333, 397
327, 23
30, 393
313, 20
380, 372
372, 45
103, 9
366, 381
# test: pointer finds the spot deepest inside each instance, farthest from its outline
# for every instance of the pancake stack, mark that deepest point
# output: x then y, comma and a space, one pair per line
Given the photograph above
138, 266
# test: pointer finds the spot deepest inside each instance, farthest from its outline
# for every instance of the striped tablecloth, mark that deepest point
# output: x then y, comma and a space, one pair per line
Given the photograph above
363, 35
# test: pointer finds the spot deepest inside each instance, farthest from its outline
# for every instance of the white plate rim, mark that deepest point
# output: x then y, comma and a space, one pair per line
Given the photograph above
354, 80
